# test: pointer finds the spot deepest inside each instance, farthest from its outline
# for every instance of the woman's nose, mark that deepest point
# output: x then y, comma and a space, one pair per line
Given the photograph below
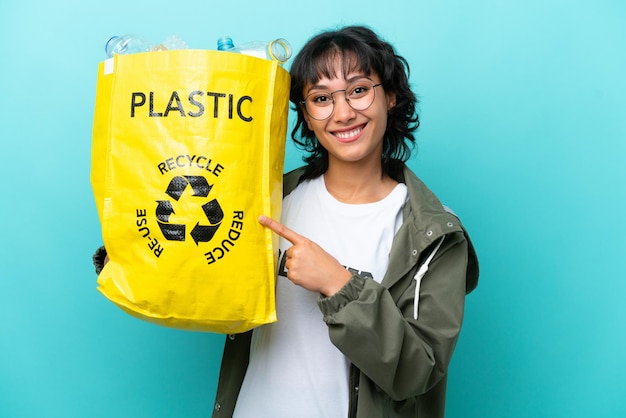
343, 110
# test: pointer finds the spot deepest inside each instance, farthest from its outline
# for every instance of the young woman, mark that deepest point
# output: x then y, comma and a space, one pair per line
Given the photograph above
373, 269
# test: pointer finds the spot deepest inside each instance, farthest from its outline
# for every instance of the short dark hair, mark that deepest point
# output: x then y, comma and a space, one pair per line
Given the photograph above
361, 49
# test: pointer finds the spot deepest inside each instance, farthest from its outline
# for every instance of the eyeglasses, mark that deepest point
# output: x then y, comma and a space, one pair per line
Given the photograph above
359, 95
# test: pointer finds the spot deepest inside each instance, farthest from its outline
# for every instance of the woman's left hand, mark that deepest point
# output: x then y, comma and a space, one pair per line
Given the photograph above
307, 264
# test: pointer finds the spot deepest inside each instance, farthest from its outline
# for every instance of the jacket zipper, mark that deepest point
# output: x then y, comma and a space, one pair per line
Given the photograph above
354, 391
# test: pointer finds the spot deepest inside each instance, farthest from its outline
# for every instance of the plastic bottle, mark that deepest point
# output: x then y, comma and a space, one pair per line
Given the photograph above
174, 42
127, 44
132, 44
278, 50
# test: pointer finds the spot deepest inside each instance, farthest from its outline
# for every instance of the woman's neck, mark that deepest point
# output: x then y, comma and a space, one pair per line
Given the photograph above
357, 185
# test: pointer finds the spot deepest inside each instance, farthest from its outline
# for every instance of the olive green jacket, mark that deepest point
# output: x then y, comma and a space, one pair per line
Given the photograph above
399, 363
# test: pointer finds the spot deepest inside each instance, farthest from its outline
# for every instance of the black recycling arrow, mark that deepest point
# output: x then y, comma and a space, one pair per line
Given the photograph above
164, 210
213, 212
199, 185
179, 183
176, 187
172, 232
203, 233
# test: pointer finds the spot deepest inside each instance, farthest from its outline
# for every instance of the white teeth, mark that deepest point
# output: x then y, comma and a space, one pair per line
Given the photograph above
348, 134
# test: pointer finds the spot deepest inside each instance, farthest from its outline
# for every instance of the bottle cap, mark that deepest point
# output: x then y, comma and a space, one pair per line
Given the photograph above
106, 45
225, 43
279, 50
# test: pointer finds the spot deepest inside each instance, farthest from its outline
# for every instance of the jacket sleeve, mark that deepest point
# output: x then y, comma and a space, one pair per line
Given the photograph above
98, 259
375, 326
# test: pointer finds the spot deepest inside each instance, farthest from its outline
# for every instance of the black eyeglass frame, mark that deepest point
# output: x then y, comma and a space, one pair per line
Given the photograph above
332, 96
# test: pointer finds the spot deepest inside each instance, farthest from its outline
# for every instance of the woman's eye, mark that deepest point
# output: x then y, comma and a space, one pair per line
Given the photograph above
322, 99
358, 91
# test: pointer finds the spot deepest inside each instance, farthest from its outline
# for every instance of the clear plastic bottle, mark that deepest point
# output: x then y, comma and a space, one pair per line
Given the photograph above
278, 50
127, 44
132, 44
174, 42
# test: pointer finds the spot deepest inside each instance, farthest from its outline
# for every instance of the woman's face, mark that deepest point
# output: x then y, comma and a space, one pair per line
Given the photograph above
349, 135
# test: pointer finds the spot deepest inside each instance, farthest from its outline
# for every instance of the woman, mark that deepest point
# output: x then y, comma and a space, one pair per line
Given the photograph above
373, 269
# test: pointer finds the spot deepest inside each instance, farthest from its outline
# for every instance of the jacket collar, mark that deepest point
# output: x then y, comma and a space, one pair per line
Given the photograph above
429, 220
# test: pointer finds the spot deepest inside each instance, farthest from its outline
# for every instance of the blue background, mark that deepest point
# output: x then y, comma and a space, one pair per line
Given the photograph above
523, 135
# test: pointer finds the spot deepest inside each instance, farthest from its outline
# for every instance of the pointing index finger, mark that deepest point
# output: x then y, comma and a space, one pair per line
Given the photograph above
280, 229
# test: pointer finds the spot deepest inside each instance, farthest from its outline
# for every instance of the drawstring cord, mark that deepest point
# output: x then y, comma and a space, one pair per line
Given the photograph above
420, 274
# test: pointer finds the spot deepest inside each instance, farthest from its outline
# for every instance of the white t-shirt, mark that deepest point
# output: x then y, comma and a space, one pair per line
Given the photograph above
295, 371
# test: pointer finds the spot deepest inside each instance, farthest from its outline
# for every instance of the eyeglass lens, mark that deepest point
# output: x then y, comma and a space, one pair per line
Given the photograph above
360, 96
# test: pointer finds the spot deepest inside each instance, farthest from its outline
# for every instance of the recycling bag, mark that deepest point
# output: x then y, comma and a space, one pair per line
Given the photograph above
187, 151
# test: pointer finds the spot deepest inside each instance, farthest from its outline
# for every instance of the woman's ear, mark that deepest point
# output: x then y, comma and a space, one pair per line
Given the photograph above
391, 100
306, 117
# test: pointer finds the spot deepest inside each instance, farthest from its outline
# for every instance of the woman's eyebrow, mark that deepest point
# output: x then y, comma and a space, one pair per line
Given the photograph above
348, 81
358, 77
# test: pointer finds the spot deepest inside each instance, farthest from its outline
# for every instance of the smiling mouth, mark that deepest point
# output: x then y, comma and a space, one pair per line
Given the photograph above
349, 135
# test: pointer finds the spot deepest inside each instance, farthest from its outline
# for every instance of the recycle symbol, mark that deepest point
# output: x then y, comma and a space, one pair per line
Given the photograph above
212, 210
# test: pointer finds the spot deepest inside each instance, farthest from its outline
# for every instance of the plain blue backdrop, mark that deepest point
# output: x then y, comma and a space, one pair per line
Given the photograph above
523, 135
